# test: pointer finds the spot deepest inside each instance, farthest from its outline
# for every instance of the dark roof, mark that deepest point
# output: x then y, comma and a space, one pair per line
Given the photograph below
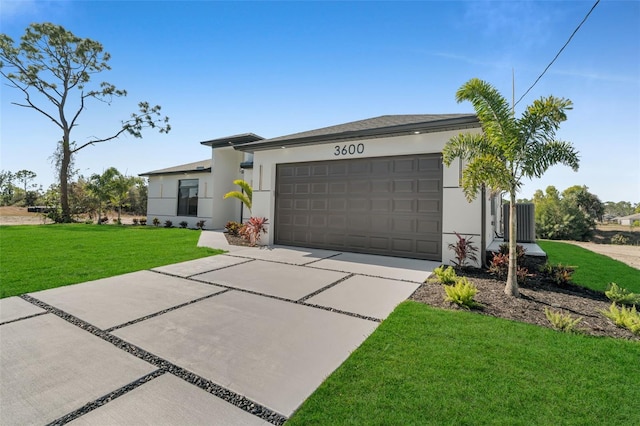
385, 125
234, 140
196, 167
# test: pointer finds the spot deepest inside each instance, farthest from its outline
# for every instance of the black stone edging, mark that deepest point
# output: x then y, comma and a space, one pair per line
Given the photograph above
327, 287
104, 399
23, 318
215, 269
166, 366
164, 311
323, 258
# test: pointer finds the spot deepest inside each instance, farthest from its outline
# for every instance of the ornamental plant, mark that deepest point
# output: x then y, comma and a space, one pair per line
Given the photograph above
462, 293
563, 322
465, 251
253, 229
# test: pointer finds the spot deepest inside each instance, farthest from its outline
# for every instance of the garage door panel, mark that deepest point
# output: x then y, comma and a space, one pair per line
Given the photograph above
429, 206
403, 185
429, 186
337, 188
383, 205
337, 204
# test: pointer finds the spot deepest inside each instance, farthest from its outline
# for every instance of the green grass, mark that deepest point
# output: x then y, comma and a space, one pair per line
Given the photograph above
35, 258
594, 270
429, 366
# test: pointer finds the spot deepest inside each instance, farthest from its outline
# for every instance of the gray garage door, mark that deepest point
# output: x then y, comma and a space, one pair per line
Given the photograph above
385, 205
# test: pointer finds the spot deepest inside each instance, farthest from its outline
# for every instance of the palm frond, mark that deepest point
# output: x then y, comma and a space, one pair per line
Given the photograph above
240, 196
465, 146
492, 110
245, 187
541, 156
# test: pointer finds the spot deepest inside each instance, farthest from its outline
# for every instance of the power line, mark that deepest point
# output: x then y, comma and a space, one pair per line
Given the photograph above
559, 52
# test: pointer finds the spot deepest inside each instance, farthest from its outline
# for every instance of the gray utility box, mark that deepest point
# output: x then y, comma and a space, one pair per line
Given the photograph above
525, 224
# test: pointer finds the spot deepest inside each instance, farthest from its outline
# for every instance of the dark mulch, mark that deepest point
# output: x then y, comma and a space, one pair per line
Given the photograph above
535, 296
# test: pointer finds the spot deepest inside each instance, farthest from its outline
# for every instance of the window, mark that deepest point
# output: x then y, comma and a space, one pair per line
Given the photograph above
188, 197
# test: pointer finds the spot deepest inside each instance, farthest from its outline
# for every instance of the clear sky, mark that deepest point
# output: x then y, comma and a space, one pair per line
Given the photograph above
275, 68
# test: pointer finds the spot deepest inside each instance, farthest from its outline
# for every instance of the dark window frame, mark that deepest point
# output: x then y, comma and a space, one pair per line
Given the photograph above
187, 199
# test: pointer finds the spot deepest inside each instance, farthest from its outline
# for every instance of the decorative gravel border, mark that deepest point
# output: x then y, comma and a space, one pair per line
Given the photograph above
211, 270
164, 311
69, 417
163, 365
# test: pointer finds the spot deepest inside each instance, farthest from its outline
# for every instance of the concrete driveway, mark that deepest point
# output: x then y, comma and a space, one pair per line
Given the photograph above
234, 339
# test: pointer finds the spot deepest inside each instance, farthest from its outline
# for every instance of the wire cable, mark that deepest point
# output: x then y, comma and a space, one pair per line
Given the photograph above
559, 52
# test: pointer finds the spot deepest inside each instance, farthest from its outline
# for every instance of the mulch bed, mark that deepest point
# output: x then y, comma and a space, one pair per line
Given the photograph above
535, 296
236, 241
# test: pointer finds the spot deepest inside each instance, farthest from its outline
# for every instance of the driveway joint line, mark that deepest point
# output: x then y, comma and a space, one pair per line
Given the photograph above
295, 302
97, 403
369, 275
318, 260
327, 287
205, 384
222, 267
164, 311
23, 318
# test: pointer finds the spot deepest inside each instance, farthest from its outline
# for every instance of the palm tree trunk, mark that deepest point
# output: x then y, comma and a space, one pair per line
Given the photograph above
511, 289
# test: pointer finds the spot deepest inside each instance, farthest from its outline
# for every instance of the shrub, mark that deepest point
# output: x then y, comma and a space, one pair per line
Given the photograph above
135, 221
233, 228
499, 267
620, 240
143, 221
183, 224
624, 317
252, 230
462, 293
104, 219
465, 251
558, 274
200, 224
445, 275
88, 221
621, 295
168, 224
156, 221
520, 251
563, 322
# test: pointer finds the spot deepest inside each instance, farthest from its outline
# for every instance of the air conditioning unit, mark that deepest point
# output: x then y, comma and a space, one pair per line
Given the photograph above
525, 225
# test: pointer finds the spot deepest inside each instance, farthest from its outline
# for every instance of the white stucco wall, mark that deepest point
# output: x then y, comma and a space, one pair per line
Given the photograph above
458, 214
162, 201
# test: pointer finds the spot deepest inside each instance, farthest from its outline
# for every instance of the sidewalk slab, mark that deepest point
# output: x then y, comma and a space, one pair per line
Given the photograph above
168, 400
273, 352
13, 308
116, 300
284, 254
198, 266
275, 279
50, 368
368, 296
395, 268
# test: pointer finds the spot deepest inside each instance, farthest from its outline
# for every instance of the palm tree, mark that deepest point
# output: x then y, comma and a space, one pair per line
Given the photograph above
120, 187
245, 195
100, 186
509, 149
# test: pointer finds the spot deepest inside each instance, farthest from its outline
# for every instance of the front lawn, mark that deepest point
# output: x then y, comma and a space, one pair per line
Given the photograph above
594, 271
38, 257
425, 365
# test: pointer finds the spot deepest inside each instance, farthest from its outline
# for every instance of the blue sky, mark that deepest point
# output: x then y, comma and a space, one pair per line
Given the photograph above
275, 68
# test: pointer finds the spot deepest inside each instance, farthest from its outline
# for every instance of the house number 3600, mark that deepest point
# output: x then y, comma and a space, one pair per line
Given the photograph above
348, 149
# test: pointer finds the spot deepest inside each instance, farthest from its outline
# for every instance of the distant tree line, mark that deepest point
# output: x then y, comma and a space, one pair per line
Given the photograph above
91, 196
573, 213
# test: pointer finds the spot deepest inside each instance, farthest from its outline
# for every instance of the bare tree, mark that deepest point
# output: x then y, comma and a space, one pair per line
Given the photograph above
48, 66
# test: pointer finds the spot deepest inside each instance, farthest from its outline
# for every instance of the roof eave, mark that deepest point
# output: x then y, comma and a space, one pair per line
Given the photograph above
233, 141
177, 172
457, 123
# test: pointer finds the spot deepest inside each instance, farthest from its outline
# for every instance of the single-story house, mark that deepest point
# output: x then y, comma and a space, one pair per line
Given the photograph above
373, 186
629, 220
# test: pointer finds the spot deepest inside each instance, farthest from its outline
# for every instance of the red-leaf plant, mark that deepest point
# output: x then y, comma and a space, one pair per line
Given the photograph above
464, 250
253, 228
